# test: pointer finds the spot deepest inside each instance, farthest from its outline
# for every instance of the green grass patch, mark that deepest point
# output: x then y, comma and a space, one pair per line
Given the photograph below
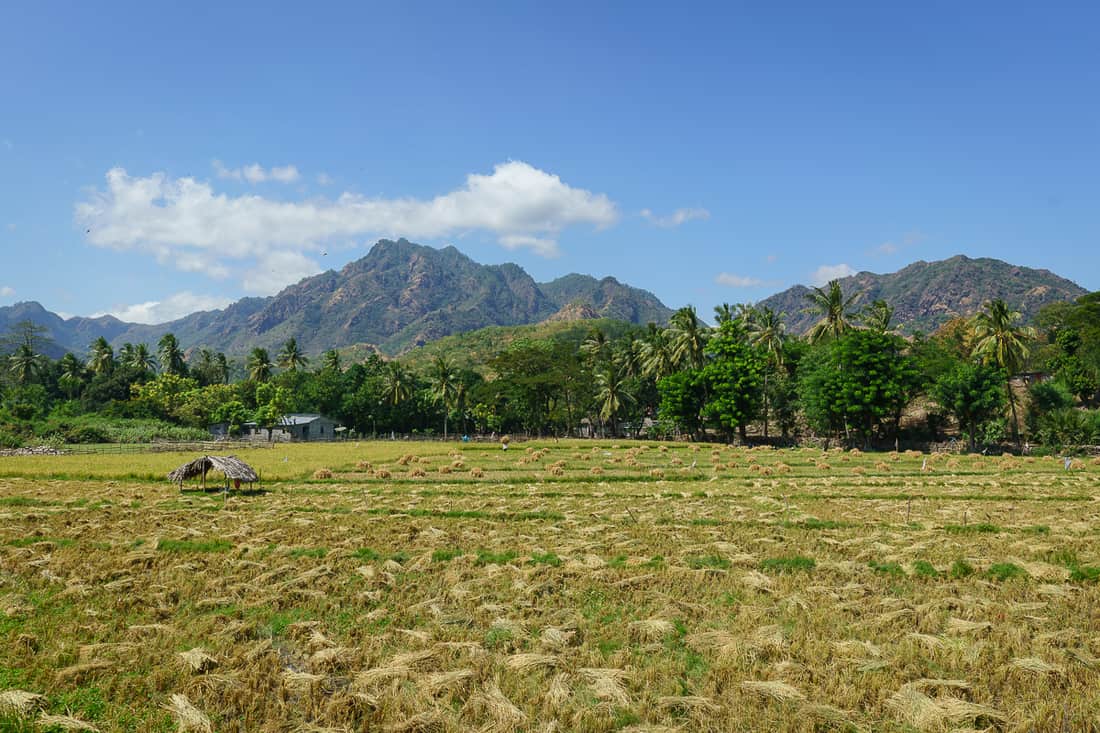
961, 569
446, 555
1005, 571
657, 561
22, 501
547, 558
1037, 529
815, 523
366, 553
794, 564
980, 528
1084, 573
708, 562
925, 569
485, 557
194, 546
619, 561
887, 568
88, 702
28, 541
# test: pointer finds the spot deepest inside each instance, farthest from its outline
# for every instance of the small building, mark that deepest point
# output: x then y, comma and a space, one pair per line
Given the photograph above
296, 427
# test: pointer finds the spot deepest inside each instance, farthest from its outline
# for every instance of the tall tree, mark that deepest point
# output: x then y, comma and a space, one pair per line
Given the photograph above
999, 341
221, 364
595, 347
612, 395
767, 332
724, 312
24, 365
689, 338
71, 372
877, 316
330, 361
291, 357
396, 383
102, 358
140, 358
972, 394
444, 381
733, 378
835, 311
259, 365
171, 355
656, 351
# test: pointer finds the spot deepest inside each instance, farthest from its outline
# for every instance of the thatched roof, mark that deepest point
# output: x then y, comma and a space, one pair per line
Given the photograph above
231, 466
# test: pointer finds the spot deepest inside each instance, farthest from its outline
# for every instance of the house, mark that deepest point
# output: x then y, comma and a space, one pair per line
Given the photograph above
296, 427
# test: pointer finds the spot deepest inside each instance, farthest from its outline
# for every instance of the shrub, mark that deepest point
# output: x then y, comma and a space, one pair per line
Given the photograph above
322, 473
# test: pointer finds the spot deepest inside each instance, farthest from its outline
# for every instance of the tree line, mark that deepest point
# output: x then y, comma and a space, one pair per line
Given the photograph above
852, 378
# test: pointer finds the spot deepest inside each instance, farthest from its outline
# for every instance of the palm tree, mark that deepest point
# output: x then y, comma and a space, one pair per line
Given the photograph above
102, 359
221, 368
71, 373
724, 312
291, 357
877, 316
628, 355
24, 364
330, 361
125, 354
171, 355
259, 365
396, 387
766, 332
656, 353
688, 337
829, 303
444, 387
611, 395
141, 358
595, 346
999, 341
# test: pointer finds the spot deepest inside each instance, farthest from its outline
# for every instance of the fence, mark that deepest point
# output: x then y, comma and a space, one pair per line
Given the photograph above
201, 446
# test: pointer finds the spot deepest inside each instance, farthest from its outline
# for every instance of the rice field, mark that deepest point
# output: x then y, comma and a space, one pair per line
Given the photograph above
572, 586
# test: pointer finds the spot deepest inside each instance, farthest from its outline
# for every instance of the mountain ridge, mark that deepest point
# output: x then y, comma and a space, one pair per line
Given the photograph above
925, 295
399, 295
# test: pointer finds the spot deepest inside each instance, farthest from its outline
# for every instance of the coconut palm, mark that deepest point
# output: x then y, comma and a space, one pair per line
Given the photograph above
689, 338
829, 303
396, 383
171, 355
595, 346
767, 332
627, 353
1000, 342
141, 358
877, 316
125, 354
221, 368
291, 357
330, 361
259, 365
102, 357
24, 364
444, 386
71, 373
656, 352
724, 312
611, 395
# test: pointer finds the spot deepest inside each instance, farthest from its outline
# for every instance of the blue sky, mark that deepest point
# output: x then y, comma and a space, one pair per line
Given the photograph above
156, 159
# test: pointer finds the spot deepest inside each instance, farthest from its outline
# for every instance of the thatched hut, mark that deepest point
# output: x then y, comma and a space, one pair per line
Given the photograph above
234, 468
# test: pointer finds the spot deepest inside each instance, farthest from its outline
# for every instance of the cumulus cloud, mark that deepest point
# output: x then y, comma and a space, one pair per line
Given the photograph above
256, 173
676, 218
737, 281
169, 309
185, 223
891, 247
825, 273
6, 291
324, 179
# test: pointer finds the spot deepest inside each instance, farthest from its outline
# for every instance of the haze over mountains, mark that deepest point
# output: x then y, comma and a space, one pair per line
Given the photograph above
402, 294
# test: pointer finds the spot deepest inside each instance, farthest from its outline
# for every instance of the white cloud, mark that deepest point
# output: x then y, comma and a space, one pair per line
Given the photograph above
886, 248
540, 246
6, 291
275, 270
324, 179
169, 309
256, 173
186, 223
678, 217
737, 281
825, 273
909, 239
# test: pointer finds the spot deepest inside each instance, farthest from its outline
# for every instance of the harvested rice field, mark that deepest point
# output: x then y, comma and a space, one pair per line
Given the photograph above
571, 586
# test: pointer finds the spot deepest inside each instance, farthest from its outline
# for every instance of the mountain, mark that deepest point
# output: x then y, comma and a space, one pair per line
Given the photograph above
925, 295
398, 296
608, 298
